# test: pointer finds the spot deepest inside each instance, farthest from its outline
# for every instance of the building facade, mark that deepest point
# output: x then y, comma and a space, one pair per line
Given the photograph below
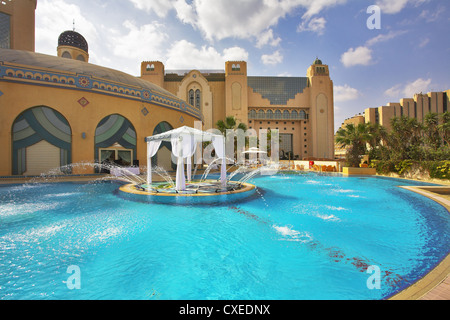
63, 112
301, 108
417, 107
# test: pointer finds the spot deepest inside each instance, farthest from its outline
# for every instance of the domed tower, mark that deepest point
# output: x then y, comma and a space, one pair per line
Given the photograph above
73, 45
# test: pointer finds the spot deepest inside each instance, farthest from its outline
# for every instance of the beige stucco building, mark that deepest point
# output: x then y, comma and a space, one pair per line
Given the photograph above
417, 107
60, 110
301, 108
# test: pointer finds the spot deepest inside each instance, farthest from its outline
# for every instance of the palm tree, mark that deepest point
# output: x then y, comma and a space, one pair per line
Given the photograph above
444, 127
405, 138
354, 138
431, 131
230, 124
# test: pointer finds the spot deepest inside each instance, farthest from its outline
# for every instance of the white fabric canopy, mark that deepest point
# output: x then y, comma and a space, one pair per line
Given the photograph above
152, 149
184, 142
219, 146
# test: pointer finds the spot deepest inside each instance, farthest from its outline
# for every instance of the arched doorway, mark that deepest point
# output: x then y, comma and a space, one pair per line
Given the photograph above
115, 141
163, 157
42, 141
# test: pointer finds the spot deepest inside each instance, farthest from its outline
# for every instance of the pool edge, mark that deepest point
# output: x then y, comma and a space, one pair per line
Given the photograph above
437, 276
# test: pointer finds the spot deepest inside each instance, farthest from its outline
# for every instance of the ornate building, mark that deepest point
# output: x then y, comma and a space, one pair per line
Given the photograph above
301, 108
61, 110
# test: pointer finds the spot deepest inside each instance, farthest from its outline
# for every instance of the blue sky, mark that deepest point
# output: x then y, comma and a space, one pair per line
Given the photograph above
369, 67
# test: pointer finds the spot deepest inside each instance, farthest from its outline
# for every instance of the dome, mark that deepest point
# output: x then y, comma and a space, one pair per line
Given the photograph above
73, 39
318, 61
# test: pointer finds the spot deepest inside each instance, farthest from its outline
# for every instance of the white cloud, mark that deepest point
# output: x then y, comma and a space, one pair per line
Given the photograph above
243, 19
358, 56
139, 42
159, 7
363, 54
267, 37
410, 89
418, 86
316, 25
272, 59
345, 93
384, 37
185, 55
424, 42
395, 6
55, 17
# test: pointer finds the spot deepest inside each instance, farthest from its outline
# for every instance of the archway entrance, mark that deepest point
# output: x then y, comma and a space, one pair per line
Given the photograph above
42, 142
115, 142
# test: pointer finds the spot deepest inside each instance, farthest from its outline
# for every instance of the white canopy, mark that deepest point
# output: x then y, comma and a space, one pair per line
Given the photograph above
199, 135
184, 143
254, 150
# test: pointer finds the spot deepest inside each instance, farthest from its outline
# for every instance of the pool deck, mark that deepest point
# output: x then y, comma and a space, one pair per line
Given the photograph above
434, 286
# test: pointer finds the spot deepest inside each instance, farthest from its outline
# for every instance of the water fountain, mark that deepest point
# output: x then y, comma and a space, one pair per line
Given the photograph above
184, 142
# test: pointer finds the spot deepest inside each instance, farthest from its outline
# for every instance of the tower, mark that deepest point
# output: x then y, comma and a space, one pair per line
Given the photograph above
73, 45
17, 23
236, 94
153, 71
322, 110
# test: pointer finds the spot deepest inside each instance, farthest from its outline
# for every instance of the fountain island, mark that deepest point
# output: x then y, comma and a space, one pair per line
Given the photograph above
184, 190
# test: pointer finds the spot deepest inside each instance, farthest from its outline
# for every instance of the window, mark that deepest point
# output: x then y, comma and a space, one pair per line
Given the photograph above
198, 99
122, 157
150, 67
286, 115
252, 114
236, 67
278, 115
5, 31
191, 97
269, 114
302, 115
66, 55
261, 114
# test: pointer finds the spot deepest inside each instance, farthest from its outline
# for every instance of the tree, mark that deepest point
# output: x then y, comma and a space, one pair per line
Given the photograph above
431, 132
230, 123
444, 127
354, 138
405, 138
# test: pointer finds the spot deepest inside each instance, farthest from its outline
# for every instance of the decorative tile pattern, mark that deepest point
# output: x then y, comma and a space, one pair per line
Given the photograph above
98, 85
83, 102
181, 119
145, 111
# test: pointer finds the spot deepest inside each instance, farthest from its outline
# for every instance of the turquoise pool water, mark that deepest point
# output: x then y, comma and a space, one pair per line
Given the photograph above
298, 237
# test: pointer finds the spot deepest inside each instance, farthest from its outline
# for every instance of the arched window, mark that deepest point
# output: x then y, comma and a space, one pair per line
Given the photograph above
302, 115
252, 114
191, 97
150, 67
81, 58
294, 115
41, 140
198, 99
269, 114
66, 55
261, 114
278, 115
286, 115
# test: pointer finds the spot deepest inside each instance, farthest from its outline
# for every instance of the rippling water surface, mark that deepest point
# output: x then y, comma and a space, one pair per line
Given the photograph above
299, 237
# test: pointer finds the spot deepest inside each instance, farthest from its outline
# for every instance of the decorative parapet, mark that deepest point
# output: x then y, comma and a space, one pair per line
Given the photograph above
75, 81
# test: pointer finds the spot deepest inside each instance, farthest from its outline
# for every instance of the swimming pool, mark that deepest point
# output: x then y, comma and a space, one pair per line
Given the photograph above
304, 236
